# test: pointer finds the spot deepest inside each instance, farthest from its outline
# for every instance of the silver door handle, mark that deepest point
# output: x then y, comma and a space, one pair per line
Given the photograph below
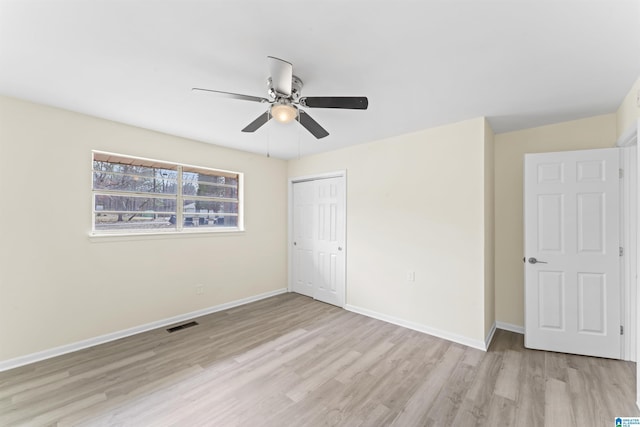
532, 260
339, 248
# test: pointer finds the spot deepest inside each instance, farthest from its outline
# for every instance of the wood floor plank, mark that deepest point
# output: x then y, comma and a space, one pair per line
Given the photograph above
321, 376
508, 381
448, 403
502, 412
474, 409
557, 410
290, 360
71, 407
582, 398
531, 396
416, 410
370, 358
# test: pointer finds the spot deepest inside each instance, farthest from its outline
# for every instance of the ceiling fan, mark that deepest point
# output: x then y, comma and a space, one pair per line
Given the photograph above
284, 98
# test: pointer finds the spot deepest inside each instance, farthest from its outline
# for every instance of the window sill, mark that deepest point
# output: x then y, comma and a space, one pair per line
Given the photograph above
102, 237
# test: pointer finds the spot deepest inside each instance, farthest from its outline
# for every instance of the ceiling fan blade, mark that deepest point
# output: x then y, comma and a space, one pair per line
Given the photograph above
257, 123
311, 125
348, 102
233, 95
281, 75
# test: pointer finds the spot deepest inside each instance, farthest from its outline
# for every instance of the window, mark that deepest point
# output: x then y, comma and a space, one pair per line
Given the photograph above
134, 195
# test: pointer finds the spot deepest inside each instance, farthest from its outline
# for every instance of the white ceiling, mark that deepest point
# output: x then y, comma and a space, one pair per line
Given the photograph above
521, 63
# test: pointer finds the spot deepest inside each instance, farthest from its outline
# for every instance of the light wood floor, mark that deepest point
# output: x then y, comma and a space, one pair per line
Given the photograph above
292, 361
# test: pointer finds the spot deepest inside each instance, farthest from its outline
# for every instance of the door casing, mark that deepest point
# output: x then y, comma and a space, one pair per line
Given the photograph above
629, 239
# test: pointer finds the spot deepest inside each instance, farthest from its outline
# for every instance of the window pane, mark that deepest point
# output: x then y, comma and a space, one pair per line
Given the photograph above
210, 213
115, 177
210, 221
207, 207
127, 222
222, 191
209, 185
132, 204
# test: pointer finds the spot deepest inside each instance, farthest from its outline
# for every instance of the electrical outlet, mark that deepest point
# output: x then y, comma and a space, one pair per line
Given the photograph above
199, 289
411, 276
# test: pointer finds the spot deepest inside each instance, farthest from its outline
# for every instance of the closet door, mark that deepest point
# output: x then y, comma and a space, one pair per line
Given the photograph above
318, 239
303, 237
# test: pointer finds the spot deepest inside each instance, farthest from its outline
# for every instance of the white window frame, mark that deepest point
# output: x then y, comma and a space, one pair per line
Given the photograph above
180, 228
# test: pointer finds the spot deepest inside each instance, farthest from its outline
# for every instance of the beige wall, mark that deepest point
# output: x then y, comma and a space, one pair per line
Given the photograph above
489, 228
58, 286
594, 132
629, 110
416, 202
420, 202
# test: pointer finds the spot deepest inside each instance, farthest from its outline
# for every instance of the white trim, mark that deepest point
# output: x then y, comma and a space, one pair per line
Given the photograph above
335, 174
629, 137
510, 327
326, 175
165, 162
230, 231
290, 235
637, 262
489, 337
628, 240
69, 348
460, 339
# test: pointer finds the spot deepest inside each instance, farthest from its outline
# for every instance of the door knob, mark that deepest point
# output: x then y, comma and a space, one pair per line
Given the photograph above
532, 260
339, 248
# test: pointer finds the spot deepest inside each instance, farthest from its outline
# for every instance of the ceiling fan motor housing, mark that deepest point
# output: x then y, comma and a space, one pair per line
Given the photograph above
296, 89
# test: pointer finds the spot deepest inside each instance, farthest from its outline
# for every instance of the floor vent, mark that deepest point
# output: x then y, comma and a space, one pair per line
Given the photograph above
181, 327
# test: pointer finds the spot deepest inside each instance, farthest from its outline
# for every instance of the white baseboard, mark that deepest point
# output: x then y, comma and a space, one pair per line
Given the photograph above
489, 338
510, 327
69, 348
460, 339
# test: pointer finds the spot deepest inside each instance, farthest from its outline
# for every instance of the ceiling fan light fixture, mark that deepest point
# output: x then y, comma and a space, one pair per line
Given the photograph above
284, 112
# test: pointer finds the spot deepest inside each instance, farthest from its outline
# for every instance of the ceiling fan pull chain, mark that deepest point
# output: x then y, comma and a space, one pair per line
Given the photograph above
269, 140
298, 143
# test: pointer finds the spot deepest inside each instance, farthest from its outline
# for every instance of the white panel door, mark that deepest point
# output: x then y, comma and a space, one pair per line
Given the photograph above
572, 270
318, 239
303, 238
329, 241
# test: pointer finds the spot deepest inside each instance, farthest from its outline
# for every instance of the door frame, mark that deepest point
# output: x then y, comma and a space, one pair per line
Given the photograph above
629, 241
335, 174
